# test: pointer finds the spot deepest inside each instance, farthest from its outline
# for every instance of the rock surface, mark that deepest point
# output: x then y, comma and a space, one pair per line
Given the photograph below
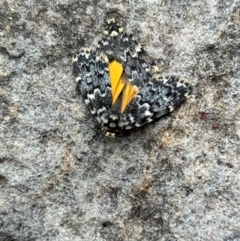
175, 179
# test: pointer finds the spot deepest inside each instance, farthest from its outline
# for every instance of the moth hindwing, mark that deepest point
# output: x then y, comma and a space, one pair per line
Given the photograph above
119, 85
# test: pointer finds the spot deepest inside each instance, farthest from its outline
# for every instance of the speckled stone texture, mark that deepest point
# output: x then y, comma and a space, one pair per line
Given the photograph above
175, 179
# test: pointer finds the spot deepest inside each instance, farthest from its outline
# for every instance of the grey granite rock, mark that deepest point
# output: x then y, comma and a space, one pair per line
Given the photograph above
175, 179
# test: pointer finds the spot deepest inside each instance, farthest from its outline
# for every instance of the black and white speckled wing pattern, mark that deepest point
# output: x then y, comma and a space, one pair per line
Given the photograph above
92, 76
156, 95
157, 98
119, 45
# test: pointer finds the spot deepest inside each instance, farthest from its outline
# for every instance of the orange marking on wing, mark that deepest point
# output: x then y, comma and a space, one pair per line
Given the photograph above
120, 85
116, 70
129, 92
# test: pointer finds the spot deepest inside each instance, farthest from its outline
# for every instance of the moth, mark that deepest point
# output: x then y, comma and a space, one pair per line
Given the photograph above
120, 86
